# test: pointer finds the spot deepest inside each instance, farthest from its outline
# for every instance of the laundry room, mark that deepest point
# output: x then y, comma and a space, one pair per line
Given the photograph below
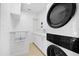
21, 29
39, 29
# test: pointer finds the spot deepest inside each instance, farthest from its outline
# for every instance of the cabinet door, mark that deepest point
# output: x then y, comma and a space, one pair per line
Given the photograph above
15, 8
15, 20
19, 44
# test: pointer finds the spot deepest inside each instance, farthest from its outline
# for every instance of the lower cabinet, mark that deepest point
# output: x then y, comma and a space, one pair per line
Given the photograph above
19, 43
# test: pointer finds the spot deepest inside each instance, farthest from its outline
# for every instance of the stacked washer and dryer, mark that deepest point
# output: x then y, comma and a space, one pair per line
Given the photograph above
62, 26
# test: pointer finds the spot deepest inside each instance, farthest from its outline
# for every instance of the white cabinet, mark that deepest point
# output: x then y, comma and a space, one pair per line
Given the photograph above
39, 37
19, 43
15, 20
15, 8
40, 41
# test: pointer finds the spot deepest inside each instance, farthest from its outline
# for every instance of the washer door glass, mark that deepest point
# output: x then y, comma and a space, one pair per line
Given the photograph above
55, 51
60, 13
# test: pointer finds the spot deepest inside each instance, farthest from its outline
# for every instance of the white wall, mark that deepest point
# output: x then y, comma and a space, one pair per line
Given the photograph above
0, 26
6, 27
26, 23
40, 18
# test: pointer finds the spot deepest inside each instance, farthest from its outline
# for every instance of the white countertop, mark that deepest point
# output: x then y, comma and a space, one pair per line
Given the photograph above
39, 33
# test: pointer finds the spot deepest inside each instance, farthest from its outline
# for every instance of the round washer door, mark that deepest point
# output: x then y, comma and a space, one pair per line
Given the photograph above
55, 51
59, 14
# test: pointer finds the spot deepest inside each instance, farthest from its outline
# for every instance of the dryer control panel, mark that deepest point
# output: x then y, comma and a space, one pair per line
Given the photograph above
71, 43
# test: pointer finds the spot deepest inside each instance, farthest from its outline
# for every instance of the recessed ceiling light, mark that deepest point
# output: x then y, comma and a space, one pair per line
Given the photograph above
28, 3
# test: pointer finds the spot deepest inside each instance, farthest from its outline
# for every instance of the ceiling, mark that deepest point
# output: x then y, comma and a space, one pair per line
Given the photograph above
34, 8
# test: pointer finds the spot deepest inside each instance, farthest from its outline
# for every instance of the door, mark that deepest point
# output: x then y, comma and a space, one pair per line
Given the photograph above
60, 14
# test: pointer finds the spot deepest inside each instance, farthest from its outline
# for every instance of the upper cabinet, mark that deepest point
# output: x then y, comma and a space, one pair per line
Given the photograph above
15, 8
15, 20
